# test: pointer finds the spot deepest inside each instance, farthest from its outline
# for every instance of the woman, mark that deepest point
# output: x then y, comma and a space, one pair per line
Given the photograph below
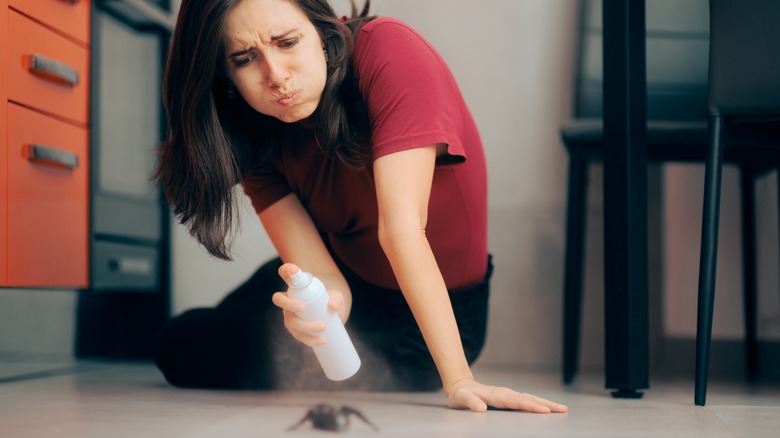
366, 169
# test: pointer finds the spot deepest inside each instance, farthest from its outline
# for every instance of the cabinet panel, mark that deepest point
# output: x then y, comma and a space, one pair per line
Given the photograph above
3, 146
48, 202
58, 81
67, 16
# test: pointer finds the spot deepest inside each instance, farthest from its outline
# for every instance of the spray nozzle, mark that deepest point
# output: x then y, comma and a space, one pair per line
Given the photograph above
300, 279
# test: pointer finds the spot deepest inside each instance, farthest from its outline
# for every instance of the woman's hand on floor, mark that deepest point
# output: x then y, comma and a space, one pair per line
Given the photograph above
470, 394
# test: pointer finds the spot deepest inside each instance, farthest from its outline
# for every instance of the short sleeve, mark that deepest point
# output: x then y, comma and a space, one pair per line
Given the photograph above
411, 95
265, 185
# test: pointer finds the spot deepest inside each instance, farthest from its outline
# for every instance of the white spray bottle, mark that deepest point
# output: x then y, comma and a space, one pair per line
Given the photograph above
337, 356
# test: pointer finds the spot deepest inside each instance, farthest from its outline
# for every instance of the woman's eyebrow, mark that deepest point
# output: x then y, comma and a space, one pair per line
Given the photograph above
283, 36
273, 38
239, 53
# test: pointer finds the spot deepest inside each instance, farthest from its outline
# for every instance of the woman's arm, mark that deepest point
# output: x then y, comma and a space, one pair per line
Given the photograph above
296, 239
403, 186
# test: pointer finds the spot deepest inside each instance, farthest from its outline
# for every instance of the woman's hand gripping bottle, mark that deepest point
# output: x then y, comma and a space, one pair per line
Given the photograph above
337, 356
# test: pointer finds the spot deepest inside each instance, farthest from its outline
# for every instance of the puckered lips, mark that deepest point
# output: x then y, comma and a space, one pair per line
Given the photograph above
289, 98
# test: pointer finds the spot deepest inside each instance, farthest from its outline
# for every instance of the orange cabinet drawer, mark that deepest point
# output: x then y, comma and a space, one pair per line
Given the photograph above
57, 81
68, 16
47, 201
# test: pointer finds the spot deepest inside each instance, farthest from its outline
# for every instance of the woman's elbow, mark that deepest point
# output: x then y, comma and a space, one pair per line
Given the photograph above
383, 235
393, 236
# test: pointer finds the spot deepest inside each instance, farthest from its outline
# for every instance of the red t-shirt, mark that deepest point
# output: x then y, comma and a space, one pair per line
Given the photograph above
413, 101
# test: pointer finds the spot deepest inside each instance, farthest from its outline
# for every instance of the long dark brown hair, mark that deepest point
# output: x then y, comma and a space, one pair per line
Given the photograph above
214, 140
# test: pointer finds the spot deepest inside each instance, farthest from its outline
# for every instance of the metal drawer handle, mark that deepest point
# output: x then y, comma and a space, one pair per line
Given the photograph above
131, 266
52, 155
52, 69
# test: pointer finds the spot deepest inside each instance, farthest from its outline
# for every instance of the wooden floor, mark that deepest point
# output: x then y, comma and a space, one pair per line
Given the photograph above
90, 399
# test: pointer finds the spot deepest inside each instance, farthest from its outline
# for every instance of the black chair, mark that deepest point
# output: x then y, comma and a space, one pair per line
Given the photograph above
744, 114
677, 131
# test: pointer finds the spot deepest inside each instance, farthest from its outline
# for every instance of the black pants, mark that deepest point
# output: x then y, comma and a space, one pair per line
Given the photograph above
242, 342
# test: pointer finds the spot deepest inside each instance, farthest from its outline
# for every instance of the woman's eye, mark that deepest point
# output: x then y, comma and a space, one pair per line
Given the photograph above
286, 44
240, 62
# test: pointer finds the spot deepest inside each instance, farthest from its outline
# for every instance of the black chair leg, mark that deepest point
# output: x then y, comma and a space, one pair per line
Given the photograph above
749, 284
709, 253
574, 261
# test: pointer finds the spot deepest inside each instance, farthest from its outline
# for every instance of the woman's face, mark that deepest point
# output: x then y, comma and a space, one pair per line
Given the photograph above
275, 58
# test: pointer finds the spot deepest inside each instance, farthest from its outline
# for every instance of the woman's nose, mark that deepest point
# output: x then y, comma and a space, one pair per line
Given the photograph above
276, 74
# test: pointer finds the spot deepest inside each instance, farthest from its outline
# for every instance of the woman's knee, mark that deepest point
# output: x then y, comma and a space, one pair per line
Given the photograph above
206, 348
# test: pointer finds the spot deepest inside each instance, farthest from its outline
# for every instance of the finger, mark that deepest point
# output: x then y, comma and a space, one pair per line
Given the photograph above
304, 331
294, 322
526, 402
540, 403
307, 339
468, 399
532, 405
554, 407
336, 301
287, 270
284, 302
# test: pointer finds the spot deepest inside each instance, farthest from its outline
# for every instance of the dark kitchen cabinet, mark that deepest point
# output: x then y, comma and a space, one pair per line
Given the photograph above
127, 303
128, 220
